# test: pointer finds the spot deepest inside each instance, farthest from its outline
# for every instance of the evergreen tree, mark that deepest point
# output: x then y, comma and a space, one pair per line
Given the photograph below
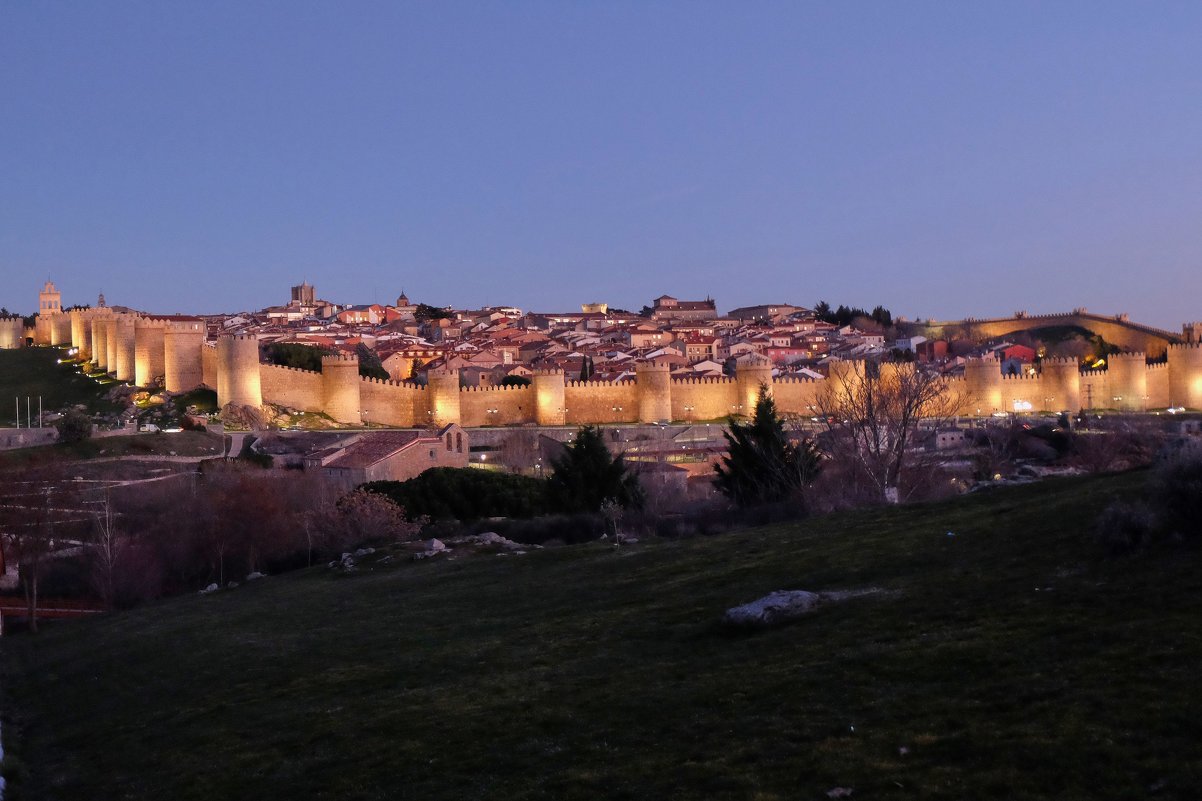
762, 465
370, 365
586, 474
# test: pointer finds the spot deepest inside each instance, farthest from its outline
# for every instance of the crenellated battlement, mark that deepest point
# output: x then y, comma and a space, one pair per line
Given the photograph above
547, 371
289, 369
794, 379
150, 322
1021, 377
1181, 347
498, 388
1062, 361
703, 380
239, 337
335, 359
391, 383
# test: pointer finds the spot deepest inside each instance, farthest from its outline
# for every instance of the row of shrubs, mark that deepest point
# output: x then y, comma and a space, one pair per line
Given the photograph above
577, 528
1172, 512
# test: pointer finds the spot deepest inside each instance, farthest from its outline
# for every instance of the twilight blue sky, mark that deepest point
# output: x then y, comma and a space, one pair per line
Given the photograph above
941, 158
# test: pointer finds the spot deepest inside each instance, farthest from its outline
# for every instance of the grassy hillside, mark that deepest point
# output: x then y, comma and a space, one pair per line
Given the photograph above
30, 372
1008, 661
179, 443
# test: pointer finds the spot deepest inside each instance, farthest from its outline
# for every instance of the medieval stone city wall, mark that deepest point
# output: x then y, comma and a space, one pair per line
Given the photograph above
1158, 385
12, 333
145, 350
303, 390
497, 406
394, 403
600, 402
704, 398
1116, 329
208, 365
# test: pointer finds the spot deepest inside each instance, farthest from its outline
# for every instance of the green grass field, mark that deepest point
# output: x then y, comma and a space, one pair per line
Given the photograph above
30, 372
1008, 660
180, 443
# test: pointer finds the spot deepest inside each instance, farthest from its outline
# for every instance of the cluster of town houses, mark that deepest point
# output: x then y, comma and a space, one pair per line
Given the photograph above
596, 343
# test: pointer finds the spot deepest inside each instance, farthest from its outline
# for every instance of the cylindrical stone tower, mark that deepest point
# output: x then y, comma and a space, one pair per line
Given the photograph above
442, 387
751, 374
340, 385
79, 324
1060, 384
548, 397
1128, 381
238, 371
149, 357
110, 343
100, 340
12, 333
182, 367
1185, 375
123, 350
983, 386
654, 388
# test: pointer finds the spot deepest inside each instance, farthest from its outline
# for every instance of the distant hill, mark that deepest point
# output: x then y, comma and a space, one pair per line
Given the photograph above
1009, 658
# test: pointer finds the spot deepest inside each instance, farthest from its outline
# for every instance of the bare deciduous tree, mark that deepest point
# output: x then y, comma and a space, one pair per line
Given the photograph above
872, 412
107, 549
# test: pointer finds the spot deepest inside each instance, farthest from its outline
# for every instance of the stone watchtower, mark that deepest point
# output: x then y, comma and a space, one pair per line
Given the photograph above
1128, 373
751, 374
549, 397
654, 390
1060, 385
983, 386
81, 332
148, 350
442, 386
100, 338
1185, 375
122, 347
238, 371
182, 365
340, 387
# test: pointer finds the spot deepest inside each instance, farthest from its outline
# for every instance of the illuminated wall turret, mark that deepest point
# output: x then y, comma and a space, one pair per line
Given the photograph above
1128, 381
442, 388
549, 402
654, 386
122, 340
1185, 375
182, 366
1061, 386
340, 383
751, 374
238, 371
149, 363
100, 339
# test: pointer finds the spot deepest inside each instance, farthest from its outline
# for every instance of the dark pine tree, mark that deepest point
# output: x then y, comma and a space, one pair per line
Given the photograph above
587, 474
762, 465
